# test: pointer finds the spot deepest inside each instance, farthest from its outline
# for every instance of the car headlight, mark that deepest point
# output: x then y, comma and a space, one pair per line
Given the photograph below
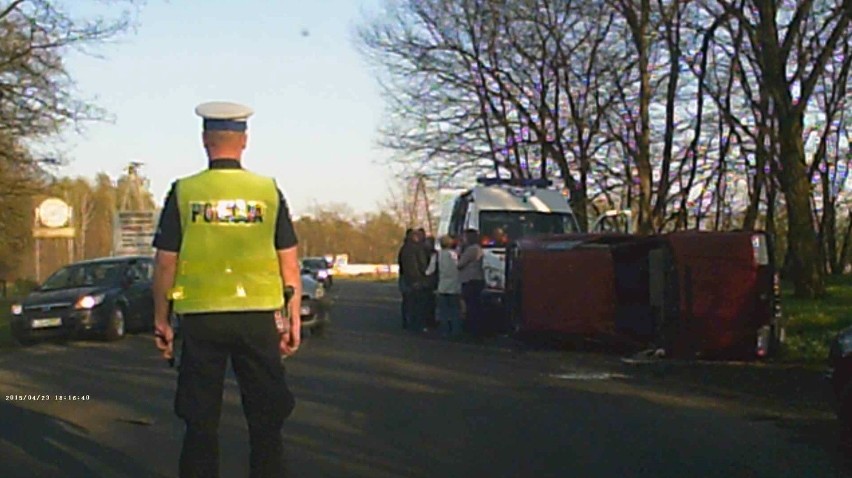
89, 301
320, 292
322, 274
17, 309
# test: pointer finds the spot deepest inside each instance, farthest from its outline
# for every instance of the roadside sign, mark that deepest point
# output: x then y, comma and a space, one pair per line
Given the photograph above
134, 232
53, 220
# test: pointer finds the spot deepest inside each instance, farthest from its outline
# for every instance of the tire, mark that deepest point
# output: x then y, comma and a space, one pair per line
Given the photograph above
117, 326
23, 340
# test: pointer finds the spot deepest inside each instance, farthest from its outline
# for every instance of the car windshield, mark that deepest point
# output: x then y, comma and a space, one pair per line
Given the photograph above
499, 228
84, 275
314, 264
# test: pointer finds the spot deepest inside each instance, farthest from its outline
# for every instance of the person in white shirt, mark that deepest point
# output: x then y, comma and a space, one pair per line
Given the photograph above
472, 279
448, 304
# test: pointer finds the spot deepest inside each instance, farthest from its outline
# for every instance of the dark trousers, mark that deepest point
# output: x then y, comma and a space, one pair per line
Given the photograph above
404, 291
250, 339
472, 295
431, 305
418, 307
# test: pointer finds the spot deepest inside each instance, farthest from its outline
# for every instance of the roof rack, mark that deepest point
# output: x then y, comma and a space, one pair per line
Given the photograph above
536, 183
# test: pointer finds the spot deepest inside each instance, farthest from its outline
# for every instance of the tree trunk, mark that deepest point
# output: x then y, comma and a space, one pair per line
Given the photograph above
846, 246
580, 201
643, 158
801, 237
828, 227
761, 156
771, 228
834, 266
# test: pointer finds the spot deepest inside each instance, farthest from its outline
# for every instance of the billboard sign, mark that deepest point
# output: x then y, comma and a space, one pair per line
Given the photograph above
134, 233
53, 220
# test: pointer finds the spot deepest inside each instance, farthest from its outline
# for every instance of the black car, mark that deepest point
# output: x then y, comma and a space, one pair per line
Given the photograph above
319, 269
315, 306
106, 297
840, 375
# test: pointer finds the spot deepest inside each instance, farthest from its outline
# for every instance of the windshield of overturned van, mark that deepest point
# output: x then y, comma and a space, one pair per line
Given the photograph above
499, 228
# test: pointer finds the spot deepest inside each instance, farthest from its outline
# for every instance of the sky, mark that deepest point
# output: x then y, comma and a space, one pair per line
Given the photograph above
317, 105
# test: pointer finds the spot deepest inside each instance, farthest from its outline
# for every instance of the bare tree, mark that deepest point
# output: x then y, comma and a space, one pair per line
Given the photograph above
38, 99
690, 112
829, 165
37, 94
541, 104
791, 58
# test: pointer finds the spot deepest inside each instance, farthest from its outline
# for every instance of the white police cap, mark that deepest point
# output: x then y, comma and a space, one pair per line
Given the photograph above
224, 116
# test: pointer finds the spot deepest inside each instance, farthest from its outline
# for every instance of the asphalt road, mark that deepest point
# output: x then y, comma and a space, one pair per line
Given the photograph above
375, 401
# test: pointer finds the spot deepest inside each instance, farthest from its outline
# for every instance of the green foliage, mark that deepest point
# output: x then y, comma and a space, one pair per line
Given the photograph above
373, 238
94, 206
20, 179
812, 324
22, 287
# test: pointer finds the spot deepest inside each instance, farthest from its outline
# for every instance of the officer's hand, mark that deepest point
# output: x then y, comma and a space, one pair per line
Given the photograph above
290, 340
165, 338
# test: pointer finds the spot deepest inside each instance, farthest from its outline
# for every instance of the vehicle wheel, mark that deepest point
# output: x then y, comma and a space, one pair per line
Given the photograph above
116, 327
23, 340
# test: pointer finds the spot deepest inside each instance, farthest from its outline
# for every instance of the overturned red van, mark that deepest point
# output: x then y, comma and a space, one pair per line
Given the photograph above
695, 294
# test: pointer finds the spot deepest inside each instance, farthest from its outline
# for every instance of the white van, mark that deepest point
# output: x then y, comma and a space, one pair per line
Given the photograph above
504, 211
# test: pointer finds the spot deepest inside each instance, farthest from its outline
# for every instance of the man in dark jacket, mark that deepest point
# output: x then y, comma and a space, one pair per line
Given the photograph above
431, 254
413, 262
404, 288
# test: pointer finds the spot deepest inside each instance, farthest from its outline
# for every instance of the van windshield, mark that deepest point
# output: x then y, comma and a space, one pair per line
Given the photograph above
499, 228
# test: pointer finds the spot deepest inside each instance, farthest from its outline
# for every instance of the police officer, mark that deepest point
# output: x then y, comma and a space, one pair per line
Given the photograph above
226, 250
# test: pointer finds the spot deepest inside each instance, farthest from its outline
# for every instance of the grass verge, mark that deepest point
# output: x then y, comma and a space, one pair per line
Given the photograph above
812, 324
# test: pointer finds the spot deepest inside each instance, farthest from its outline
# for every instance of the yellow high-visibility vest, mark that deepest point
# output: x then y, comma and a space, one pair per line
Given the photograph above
227, 260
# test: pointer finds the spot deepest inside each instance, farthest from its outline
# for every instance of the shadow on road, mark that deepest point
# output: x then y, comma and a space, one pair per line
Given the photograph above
62, 448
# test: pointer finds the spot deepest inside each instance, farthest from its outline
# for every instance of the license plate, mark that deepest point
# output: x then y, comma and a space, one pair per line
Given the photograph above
42, 323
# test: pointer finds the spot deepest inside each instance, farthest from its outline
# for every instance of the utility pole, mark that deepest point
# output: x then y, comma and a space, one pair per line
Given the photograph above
420, 204
134, 190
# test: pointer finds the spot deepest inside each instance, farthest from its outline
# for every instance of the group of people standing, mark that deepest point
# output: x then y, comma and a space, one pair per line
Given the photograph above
442, 289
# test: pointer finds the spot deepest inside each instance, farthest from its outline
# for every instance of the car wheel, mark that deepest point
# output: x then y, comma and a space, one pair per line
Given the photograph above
23, 340
116, 327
